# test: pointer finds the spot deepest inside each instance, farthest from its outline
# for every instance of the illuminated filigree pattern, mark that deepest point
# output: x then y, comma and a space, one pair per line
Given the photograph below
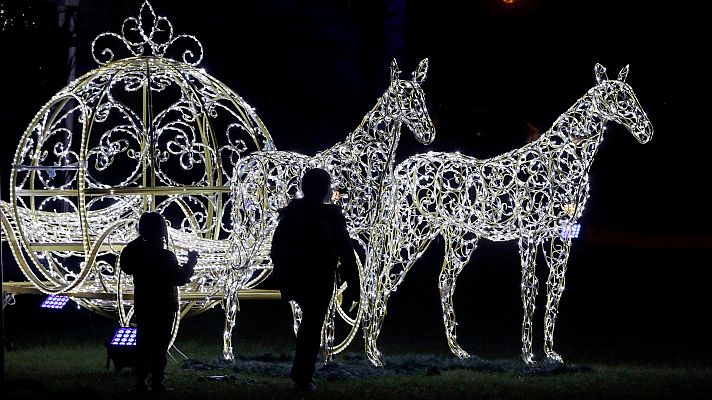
528, 194
151, 133
140, 133
361, 168
143, 33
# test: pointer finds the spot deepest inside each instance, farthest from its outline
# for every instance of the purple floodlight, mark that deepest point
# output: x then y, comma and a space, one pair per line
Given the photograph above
124, 337
55, 301
571, 231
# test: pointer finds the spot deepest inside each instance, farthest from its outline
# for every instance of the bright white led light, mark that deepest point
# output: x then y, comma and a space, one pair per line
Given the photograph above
571, 231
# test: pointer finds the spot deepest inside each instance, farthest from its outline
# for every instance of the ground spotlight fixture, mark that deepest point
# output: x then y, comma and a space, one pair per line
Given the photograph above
121, 349
571, 231
124, 337
55, 301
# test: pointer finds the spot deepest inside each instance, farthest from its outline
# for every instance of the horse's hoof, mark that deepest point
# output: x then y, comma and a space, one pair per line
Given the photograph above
460, 353
376, 359
529, 361
553, 358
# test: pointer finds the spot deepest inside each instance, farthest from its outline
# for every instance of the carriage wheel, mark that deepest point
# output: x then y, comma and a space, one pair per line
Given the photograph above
343, 320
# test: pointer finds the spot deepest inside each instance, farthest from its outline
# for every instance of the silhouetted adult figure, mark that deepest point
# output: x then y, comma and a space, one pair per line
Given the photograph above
310, 239
156, 275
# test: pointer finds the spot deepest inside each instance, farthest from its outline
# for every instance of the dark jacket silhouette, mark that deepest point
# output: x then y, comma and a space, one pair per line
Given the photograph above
307, 245
156, 275
309, 242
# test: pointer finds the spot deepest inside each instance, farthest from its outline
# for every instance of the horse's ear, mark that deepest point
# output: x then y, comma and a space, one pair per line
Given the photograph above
420, 73
600, 73
395, 71
624, 73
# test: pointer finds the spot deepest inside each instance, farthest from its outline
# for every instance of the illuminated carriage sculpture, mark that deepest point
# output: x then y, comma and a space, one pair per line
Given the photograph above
139, 133
150, 133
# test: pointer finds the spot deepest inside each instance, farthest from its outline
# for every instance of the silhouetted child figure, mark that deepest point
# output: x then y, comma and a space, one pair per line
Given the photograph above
310, 239
156, 275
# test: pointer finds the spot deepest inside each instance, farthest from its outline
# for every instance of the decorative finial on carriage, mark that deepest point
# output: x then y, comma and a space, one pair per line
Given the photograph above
146, 33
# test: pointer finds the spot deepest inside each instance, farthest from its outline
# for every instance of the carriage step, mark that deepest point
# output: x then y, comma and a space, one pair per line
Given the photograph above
73, 246
244, 294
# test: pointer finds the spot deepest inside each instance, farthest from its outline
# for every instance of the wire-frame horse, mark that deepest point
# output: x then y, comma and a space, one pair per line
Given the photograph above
529, 194
361, 168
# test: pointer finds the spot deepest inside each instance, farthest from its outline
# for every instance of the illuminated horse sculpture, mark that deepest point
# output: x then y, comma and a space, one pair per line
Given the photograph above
529, 194
360, 166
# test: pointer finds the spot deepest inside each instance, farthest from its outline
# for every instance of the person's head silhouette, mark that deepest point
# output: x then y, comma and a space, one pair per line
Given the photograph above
316, 185
152, 227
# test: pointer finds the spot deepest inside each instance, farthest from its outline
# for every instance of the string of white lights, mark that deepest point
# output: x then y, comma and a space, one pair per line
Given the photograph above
147, 30
532, 194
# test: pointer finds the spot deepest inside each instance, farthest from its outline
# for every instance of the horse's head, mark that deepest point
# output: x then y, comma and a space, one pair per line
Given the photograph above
615, 99
410, 102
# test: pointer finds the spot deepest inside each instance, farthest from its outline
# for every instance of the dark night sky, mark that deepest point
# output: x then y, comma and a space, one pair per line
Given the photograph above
312, 69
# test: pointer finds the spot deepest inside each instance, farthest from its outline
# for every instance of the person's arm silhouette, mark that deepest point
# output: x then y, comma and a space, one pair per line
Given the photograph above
180, 275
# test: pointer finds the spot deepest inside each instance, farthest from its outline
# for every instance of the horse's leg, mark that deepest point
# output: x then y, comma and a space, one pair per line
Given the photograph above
385, 277
373, 265
459, 246
377, 304
296, 315
328, 330
556, 256
376, 292
530, 286
231, 306
376, 287
372, 302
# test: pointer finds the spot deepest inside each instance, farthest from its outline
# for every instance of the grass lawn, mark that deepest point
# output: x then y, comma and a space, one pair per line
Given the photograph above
71, 370
69, 362
641, 335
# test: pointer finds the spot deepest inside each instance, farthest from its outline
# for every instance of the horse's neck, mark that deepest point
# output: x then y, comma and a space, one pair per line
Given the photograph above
366, 158
576, 134
376, 137
377, 129
579, 130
